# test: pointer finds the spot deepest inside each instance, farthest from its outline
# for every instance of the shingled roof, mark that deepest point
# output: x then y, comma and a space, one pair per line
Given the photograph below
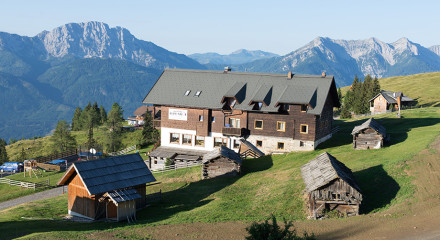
390, 98
222, 151
245, 87
370, 123
108, 174
323, 170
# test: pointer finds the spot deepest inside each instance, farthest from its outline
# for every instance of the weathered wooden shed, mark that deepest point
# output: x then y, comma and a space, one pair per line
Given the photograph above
369, 135
112, 188
221, 162
330, 185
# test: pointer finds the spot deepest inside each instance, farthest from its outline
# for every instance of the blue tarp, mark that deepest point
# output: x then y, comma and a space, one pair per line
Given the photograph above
58, 161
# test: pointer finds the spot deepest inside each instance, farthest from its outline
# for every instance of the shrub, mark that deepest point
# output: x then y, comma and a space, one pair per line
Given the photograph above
272, 231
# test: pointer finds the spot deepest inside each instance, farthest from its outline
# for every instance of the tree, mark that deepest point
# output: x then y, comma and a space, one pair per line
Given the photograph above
149, 133
3, 154
376, 87
272, 231
95, 114
90, 140
85, 116
340, 96
62, 140
113, 140
115, 117
22, 155
76, 120
103, 114
345, 113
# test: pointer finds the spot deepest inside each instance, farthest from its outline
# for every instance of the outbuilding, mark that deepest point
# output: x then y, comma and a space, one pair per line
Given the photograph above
221, 162
369, 135
330, 185
112, 188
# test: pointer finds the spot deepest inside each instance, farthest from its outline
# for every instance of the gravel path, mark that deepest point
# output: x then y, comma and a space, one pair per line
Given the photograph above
36, 196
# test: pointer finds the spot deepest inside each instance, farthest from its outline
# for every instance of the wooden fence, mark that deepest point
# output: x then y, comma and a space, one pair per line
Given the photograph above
177, 166
56, 156
123, 151
154, 197
29, 185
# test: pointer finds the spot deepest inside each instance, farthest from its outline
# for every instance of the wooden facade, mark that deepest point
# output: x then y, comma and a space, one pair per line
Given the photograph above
369, 135
221, 162
387, 101
330, 186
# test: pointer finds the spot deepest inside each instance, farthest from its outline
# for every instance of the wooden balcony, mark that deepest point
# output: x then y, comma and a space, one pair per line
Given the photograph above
230, 131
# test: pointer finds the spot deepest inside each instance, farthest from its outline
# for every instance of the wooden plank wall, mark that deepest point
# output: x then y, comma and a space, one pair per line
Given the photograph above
367, 139
79, 200
220, 167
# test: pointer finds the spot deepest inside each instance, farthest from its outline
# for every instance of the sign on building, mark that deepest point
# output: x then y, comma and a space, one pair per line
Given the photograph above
178, 114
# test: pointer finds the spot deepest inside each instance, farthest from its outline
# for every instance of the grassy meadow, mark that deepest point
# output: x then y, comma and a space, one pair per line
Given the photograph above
268, 185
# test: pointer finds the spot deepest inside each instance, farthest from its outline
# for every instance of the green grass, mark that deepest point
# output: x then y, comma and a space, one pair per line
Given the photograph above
269, 185
53, 177
11, 192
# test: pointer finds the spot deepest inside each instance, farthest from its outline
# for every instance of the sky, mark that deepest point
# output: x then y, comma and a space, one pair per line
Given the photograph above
225, 26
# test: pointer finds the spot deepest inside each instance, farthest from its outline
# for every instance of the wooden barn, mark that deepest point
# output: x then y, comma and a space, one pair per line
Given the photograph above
330, 185
112, 188
369, 135
221, 162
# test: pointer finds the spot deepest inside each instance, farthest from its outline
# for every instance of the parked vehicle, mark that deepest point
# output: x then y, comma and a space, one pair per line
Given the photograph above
11, 167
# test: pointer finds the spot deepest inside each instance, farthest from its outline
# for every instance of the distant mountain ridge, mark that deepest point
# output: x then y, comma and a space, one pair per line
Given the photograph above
345, 58
435, 49
238, 57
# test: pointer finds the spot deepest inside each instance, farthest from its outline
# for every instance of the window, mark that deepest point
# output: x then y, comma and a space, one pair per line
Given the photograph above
234, 122
236, 144
187, 92
257, 106
220, 141
155, 161
280, 146
259, 143
281, 126
301, 144
304, 128
303, 108
201, 118
197, 94
187, 139
212, 119
200, 141
258, 124
174, 138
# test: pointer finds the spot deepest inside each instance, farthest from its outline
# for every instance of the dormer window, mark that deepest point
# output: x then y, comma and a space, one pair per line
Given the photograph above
257, 106
197, 94
187, 92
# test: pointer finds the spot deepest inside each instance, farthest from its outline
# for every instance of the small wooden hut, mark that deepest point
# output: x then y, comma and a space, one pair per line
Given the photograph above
221, 162
330, 185
369, 135
112, 188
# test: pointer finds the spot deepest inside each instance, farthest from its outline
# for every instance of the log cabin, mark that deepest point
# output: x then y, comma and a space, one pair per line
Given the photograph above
112, 188
330, 185
139, 114
277, 113
387, 101
369, 135
221, 162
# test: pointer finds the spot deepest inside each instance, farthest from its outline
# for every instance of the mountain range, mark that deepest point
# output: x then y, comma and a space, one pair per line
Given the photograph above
45, 77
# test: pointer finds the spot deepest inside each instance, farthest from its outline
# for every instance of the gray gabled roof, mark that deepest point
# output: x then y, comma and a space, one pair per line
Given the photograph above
370, 123
222, 151
171, 86
123, 195
323, 170
113, 173
390, 98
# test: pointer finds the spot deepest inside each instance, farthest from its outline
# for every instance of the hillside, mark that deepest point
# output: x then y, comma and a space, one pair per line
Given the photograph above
423, 87
269, 185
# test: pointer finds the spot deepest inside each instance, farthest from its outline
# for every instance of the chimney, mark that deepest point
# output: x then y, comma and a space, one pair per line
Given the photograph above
289, 75
323, 74
227, 69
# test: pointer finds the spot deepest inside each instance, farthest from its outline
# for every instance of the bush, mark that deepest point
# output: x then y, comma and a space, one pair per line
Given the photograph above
271, 231
345, 113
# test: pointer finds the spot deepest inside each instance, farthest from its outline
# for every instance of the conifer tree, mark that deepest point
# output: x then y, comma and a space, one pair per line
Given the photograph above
3, 154
149, 133
376, 87
90, 140
340, 96
85, 115
76, 120
103, 114
22, 155
95, 114
115, 117
62, 140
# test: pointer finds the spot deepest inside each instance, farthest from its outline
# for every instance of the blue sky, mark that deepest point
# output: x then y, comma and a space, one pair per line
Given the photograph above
225, 26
